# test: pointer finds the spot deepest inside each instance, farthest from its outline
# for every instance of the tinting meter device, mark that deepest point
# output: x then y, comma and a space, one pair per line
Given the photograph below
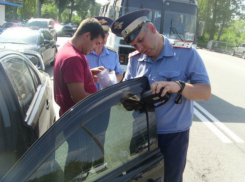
155, 99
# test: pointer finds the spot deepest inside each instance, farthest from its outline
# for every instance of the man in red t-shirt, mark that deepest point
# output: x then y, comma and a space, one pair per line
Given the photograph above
73, 79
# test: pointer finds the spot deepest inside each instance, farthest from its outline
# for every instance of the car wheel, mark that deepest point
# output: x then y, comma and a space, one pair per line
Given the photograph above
233, 52
243, 55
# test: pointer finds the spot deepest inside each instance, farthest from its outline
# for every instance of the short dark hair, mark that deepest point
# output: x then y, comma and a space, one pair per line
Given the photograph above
91, 25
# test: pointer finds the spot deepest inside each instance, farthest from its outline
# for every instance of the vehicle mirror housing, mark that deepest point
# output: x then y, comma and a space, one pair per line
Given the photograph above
50, 27
46, 42
36, 60
200, 28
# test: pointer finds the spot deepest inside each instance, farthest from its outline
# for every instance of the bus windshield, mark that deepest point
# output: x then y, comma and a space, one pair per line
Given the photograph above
135, 5
180, 21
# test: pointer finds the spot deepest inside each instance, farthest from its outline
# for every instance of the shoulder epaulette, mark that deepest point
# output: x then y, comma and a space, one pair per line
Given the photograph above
109, 48
181, 44
133, 54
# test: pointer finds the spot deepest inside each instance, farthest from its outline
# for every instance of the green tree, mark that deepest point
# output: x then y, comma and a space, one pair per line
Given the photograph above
218, 15
82, 7
28, 10
61, 5
71, 6
49, 11
11, 13
94, 9
39, 7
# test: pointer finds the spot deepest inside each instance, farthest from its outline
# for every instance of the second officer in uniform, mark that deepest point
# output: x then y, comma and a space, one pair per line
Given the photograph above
104, 55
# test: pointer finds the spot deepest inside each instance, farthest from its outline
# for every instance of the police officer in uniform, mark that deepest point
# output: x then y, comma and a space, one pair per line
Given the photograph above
104, 55
178, 68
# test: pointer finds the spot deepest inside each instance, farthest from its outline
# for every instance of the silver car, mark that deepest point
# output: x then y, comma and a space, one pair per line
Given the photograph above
26, 105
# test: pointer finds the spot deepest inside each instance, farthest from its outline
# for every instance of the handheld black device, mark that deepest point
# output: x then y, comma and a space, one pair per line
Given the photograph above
152, 99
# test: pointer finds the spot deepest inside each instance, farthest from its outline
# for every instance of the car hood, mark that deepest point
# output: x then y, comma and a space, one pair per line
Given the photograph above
19, 47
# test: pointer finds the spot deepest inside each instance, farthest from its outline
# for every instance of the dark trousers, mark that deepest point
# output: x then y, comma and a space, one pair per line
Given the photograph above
174, 148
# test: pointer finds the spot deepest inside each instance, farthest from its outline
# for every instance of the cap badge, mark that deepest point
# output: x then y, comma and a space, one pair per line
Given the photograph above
118, 25
102, 21
126, 31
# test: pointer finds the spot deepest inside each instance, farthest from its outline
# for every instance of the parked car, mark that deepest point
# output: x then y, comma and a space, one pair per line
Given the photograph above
24, 38
97, 140
8, 25
73, 26
63, 30
47, 23
26, 106
239, 50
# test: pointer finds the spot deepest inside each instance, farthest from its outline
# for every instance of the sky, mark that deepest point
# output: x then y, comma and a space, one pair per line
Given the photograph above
101, 1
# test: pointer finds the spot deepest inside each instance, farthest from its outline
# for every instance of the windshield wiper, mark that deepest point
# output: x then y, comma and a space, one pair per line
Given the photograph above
174, 31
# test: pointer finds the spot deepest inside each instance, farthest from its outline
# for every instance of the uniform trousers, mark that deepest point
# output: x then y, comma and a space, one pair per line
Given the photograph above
174, 149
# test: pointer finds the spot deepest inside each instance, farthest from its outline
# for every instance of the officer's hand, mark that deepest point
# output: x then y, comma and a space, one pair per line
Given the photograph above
97, 70
168, 87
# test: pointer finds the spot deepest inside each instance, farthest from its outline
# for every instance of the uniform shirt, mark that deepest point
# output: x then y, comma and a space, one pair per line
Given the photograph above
175, 64
70, 66
108, 58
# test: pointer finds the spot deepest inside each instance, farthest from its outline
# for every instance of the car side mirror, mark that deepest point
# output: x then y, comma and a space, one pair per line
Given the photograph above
36, 59
46, 42
50, 27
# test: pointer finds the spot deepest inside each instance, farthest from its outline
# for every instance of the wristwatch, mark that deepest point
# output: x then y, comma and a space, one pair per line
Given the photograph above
182, 86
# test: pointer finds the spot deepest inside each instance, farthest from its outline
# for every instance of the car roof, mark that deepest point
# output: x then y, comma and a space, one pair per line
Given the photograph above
4, 52
32, 29
41, 19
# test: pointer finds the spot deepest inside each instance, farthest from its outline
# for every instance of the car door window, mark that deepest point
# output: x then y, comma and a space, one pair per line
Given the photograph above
21, 79
6, 161
41, 38
47, 35
111, 137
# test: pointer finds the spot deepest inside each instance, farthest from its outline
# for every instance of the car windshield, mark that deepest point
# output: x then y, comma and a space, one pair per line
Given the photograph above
19, 36
7, 25
40, 24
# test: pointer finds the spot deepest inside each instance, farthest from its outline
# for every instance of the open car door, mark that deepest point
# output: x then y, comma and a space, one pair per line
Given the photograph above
99, 139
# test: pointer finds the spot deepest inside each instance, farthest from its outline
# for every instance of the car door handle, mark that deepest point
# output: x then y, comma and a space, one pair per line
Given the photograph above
48, 104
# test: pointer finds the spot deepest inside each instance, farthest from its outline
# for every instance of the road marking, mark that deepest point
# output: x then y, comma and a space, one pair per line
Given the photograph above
221, 125
223, 63
213, 128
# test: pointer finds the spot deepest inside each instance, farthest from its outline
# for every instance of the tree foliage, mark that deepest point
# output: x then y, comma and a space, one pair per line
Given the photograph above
49, 11
61, 5
28, 10
219, 17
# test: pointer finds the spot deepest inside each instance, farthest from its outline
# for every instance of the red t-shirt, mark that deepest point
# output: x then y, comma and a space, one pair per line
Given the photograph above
70, 66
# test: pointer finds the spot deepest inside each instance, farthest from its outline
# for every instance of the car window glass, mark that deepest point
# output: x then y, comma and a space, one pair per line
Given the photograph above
35, 77
47, 35
41, 40
100, 146
40, 24
21, 80
6, 160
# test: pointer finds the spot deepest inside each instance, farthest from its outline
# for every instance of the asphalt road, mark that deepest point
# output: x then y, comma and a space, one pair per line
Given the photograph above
217, 149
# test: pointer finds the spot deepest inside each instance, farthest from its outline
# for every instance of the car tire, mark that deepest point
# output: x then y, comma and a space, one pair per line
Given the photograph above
243, 55
233, 52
